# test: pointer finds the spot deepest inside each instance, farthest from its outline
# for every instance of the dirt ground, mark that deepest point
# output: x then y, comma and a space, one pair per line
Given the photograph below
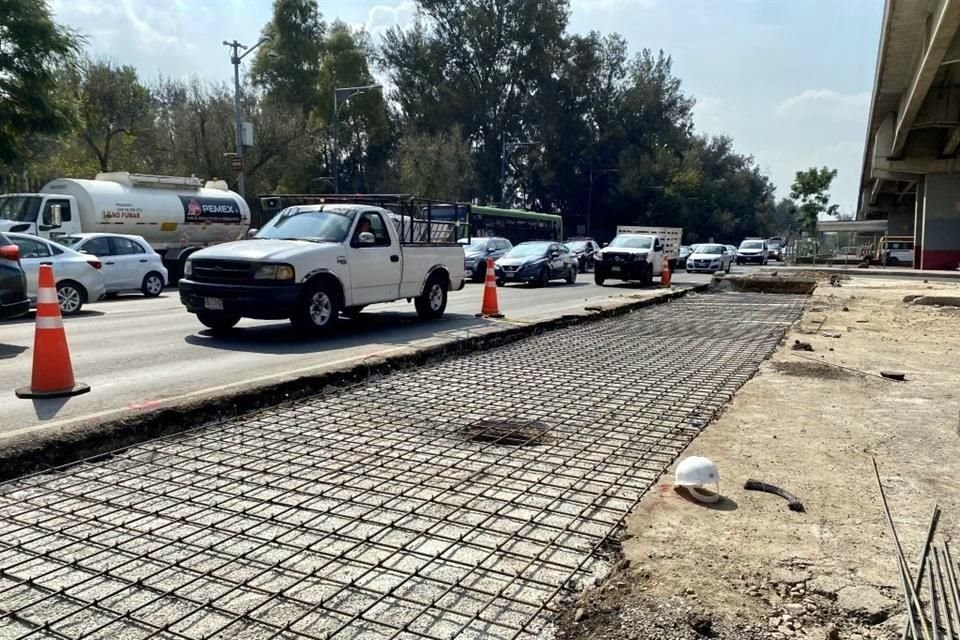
750, 568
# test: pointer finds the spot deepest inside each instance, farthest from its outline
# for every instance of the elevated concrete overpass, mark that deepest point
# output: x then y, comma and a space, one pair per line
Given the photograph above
911, 173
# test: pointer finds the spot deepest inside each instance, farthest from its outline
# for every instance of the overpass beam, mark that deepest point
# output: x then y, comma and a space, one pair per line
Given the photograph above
946, 22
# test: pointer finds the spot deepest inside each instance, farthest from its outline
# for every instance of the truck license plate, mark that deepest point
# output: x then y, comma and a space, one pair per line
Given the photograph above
615, 269
213, 304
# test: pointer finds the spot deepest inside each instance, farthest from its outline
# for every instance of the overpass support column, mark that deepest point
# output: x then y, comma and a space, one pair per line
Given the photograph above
938, 234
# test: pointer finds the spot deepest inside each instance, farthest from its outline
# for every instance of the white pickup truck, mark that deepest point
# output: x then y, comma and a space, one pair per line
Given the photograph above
637, 253
311, 263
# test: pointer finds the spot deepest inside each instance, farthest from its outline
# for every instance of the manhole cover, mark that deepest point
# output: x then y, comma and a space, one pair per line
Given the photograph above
511, 433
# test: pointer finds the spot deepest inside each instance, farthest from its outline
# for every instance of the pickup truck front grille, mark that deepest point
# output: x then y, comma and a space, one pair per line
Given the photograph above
222, 271
618, 258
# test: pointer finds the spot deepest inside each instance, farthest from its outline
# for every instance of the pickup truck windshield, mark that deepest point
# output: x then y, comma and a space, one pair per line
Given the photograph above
20, 208
632, 242
578, 245
317, 226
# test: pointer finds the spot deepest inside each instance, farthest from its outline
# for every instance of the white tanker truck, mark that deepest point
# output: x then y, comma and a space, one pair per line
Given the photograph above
176, 216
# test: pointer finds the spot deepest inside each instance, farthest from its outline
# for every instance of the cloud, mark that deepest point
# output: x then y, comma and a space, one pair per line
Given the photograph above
708, 114
825, 103
384, 16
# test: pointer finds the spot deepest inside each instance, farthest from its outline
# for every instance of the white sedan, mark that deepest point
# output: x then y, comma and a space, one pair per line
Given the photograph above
129, 263
77, 276
709, 258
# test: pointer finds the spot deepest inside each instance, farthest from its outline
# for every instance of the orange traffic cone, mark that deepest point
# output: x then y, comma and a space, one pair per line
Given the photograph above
665, 273
490, 307
52, 371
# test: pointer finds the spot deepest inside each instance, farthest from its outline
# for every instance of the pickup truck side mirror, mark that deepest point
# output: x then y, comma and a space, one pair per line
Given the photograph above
252, 233
52, 218
366, 238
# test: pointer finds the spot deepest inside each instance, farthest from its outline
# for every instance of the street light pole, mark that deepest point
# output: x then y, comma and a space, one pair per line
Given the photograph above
590, 194
348, 92
235, 58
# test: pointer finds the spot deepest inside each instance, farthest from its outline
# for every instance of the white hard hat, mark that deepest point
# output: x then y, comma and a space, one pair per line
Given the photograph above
695, 472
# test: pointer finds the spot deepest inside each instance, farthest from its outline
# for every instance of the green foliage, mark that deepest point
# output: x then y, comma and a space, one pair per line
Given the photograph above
113, 109
436, 165
812, 189
32, 50
288, 67
610, 133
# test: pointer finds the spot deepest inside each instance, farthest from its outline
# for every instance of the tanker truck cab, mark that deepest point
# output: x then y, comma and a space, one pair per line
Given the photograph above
311, 263
39, 214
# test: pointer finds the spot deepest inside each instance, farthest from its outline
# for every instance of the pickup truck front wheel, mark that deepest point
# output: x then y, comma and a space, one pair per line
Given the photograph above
318, 311
433, 302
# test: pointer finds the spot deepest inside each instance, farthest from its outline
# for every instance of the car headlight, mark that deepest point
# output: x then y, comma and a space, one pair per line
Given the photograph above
274, 272
188, 267
598, 256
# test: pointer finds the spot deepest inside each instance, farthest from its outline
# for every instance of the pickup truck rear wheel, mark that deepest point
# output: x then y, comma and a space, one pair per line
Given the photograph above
319, 310
433, 302
218, 322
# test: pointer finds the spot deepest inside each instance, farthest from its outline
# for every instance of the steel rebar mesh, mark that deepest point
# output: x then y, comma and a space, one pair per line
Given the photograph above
375, 511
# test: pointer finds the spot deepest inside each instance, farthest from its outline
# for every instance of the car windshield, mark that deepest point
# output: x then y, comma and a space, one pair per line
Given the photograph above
526, 250
19, 208
312, 225
68, 241
632, 242
475, 244
710, 248
752, 244
577, 245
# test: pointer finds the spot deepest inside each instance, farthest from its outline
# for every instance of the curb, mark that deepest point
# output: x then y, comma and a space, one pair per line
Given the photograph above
875, 273
33, 453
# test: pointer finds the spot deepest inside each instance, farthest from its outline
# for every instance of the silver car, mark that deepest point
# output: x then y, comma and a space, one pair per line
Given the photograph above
77, 276
709, 258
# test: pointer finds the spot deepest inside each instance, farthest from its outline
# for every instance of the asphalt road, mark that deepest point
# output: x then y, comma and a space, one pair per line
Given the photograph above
136, 353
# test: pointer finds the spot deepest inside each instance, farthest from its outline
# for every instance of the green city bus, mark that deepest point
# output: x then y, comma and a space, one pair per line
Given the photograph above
513, 224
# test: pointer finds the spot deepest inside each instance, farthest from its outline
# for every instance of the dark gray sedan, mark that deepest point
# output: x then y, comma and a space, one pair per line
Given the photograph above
537, 263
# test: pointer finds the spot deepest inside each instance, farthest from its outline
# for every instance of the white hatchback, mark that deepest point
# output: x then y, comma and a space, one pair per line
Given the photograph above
129, 263
77, 276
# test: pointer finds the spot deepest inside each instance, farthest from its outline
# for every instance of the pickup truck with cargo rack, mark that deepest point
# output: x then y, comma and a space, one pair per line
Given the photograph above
637, 254
325, 256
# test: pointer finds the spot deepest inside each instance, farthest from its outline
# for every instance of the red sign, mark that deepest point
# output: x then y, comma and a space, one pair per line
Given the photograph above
236, 163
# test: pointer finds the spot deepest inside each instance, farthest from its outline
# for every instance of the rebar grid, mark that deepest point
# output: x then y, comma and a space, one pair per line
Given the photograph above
375, 511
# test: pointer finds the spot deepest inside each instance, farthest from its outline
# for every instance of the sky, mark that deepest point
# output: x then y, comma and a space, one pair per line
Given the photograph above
789, 80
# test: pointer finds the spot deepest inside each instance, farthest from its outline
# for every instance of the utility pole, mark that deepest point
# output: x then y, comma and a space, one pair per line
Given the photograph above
342, 95
235, 58
590, 193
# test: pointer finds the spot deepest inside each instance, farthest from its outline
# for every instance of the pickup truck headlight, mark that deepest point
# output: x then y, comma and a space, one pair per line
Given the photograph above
598, 256
188, 267
274, 272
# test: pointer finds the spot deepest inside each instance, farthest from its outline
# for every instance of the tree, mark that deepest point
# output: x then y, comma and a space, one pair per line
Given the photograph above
811, 188
288, 67
32, 48
487, 60
113, 109
436, 165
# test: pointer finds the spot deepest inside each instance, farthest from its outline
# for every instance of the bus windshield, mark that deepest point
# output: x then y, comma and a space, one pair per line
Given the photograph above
20, 208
